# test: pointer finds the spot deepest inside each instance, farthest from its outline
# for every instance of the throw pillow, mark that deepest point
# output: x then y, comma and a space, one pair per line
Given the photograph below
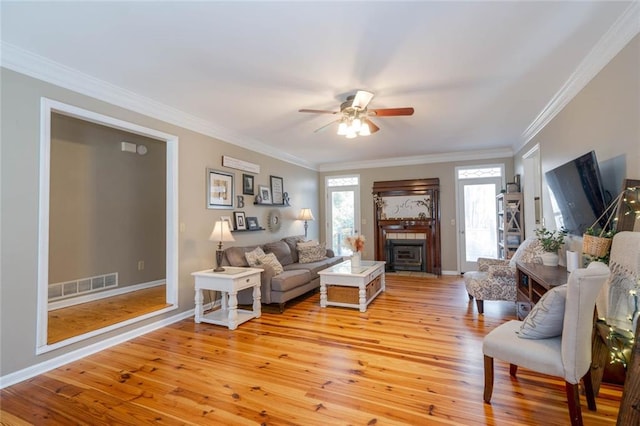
253, 256
271, 260
312, 254
547, 316
281, 250
306, 244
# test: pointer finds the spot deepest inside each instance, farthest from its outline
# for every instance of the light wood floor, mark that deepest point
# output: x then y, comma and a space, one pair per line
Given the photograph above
414, 358
85, 317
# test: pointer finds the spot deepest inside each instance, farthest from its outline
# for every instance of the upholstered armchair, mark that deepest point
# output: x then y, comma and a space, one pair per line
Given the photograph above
554, 339
495, 279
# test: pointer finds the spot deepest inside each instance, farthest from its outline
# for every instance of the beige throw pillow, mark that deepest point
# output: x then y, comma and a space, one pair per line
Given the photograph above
547, 316
312, 254
271, 260
253, 256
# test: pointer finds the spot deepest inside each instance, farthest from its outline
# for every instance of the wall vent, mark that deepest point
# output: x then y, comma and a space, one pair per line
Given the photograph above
82, 286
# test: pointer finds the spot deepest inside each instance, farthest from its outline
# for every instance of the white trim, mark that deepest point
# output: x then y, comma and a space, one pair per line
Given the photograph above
47, 107
615, 39
28, 63
92, 297
489, 154
43, 367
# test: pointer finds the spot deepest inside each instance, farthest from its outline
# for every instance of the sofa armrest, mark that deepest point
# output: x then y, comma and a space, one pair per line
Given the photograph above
265, 282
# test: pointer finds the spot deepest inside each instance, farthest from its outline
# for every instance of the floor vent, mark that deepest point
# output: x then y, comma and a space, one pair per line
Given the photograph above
82, 286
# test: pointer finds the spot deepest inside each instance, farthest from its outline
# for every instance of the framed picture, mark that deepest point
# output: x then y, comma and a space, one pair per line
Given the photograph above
252, 223
228, 220
247, 184
277, 190
265, 194
219, 189
241, 222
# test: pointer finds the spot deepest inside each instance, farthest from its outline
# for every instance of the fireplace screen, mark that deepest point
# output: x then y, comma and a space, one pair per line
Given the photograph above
406, 255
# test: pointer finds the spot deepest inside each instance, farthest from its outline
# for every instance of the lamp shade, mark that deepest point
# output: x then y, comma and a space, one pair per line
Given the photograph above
305, 214
221, 232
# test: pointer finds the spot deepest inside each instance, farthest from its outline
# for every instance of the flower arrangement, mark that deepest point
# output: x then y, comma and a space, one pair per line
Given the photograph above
551, 241
355, 242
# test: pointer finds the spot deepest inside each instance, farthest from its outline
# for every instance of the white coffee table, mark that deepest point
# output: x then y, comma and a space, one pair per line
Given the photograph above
351, 286
228, 282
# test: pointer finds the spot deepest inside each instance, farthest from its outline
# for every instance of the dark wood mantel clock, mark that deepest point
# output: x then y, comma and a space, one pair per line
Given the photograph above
407, 224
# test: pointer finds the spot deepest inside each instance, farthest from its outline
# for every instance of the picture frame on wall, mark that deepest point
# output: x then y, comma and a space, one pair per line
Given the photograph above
265, 194
228, 220
241, 221
220, 192
247, 184
277, 189
252, 223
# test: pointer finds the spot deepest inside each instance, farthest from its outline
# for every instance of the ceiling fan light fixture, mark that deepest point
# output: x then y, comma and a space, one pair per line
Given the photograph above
356, 124
342, 128
364, 130
351, 133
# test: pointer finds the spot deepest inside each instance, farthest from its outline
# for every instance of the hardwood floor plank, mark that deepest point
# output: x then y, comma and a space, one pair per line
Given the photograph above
414, 358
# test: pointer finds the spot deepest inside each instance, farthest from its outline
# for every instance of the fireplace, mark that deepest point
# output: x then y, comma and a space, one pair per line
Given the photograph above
406, 255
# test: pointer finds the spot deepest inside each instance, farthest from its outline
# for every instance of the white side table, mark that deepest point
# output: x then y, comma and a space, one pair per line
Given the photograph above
228, 282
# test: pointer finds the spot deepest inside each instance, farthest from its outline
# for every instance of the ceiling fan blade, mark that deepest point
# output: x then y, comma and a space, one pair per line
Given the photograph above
388, 112
362, 99
325, 127
318, 111
372, 126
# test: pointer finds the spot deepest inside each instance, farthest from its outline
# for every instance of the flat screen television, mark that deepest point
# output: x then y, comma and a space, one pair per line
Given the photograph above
577, 196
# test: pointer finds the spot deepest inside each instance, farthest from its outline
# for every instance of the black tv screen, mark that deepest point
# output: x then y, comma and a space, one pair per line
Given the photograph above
577, 197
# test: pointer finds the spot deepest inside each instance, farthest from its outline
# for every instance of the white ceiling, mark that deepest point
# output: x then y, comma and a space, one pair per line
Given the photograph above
477, 73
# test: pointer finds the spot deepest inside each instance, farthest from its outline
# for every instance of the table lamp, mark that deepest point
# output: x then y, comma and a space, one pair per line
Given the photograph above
221, 233
306, 215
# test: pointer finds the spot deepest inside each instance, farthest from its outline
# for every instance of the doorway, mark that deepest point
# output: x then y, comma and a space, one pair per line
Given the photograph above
96, 200
343, 211
476, 190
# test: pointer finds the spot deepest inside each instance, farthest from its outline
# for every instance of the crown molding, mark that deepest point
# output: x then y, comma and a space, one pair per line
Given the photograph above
36, 66
488, 154
614, 40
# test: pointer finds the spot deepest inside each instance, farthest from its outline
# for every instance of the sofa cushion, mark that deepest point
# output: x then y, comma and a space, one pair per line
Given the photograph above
312, 254
236, 255
281, 250
271, 260
314, 267
254, 255
290, 279
292, 243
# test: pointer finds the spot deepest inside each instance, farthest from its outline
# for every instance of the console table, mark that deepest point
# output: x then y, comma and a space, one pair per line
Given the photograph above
532, 281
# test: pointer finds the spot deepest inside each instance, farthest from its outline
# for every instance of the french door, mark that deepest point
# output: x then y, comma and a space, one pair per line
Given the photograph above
343, 211
477, 216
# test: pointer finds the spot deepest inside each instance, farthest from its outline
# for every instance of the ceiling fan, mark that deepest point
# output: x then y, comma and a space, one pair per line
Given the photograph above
355, 116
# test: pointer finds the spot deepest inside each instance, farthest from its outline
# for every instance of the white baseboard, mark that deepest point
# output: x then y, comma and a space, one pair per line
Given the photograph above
59, 304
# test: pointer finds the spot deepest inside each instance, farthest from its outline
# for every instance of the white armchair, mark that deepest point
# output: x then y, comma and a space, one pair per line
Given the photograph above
495, 279
567, 355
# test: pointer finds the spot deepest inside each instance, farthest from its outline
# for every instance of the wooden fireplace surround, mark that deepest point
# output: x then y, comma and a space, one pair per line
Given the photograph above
429, 225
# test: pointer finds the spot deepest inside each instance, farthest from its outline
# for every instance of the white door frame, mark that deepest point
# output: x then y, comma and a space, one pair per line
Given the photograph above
460, 205
329, 207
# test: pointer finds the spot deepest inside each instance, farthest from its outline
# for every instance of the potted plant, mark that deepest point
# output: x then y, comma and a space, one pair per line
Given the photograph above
551, 241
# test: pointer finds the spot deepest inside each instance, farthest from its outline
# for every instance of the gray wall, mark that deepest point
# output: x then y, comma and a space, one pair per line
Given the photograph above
20, 156
107, 207
605, 117
444, 171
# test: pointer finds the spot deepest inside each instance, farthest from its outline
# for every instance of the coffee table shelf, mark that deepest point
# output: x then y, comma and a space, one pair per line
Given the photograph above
351, 286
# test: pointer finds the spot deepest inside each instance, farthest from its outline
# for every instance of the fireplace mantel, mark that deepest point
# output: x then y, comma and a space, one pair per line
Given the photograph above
430, 226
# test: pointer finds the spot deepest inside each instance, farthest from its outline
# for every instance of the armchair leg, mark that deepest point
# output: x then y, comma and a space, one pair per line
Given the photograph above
488, 378
480, 305
589, 391
513, 369
470, 296
573, 399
